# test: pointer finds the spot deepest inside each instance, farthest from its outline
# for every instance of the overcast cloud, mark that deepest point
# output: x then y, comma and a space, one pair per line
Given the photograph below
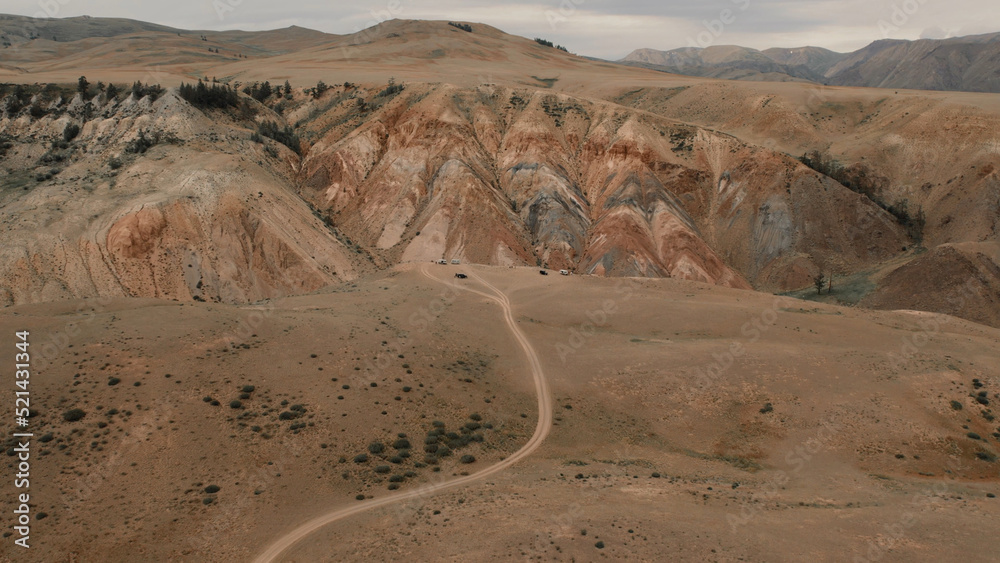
600, 28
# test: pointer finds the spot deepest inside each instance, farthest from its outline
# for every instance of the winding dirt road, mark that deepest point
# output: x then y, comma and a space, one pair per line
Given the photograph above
273, 551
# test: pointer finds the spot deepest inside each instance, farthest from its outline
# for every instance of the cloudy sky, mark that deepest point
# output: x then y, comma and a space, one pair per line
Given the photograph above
601, 28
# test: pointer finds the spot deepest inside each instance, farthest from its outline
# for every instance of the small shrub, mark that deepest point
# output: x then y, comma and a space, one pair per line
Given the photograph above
382, 469
284, 135
320, 88
361, 458
212, 489
140, 90
956, 405
766, 408
599, 545
70, 132
467, 458
247, 388
143, 142
376, 447
359, 497
401, 444
74, 415
235, 404
462, 26
112, 381
986, 456
207, 500
390, 90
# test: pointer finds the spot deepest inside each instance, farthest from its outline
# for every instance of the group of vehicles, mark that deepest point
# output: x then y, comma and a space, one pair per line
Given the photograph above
461, 276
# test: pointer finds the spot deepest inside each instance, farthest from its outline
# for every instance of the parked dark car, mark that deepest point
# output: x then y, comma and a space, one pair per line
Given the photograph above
543, 272
461, 276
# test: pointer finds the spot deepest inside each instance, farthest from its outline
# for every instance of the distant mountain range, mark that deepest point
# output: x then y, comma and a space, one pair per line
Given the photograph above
969, 64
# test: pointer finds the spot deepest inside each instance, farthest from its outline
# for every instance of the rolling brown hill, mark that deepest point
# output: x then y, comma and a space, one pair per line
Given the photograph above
728, 62
968, 64
961, 63
235, 328
821, 400
816, 59
504, 151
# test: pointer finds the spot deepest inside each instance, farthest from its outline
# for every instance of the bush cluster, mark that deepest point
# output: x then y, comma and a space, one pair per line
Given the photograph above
218, 96
284, 135
859, 179
547, 43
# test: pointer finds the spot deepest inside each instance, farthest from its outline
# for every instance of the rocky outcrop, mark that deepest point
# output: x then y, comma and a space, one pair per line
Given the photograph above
202, 215
506, 176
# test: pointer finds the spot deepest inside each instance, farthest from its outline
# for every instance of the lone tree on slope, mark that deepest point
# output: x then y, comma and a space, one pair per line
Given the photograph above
819, 281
